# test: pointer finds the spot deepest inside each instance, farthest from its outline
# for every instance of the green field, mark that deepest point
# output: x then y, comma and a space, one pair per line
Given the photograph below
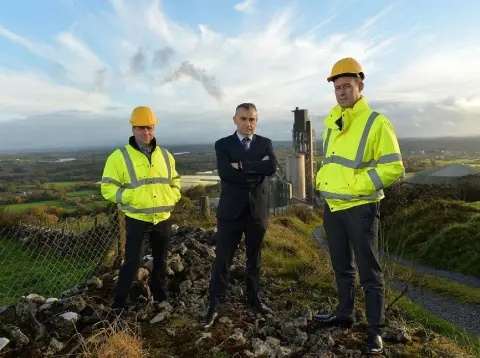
17, 208
64, 184
468, 161
90, 198
87, 192
24, 271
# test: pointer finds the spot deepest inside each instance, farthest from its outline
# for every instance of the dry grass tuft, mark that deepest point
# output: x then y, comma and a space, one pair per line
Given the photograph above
120, 345
119, 339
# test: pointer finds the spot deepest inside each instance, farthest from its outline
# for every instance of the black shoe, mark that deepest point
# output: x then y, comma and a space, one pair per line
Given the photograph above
373, 344
259, 307
333, 320
160, 295
209, 318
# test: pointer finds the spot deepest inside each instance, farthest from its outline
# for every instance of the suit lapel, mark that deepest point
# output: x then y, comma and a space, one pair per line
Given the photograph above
253, 144
237, 144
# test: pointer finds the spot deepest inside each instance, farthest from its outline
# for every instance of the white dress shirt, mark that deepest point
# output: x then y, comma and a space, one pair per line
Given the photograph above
241, 139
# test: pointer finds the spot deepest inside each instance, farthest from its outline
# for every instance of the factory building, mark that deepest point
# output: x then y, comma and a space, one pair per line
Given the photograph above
297, 181
301, 165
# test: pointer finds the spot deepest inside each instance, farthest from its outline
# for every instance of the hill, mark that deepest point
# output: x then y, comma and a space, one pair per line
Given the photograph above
444, 234
297, 283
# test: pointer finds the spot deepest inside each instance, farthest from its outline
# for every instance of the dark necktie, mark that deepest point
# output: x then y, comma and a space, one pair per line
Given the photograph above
245, 142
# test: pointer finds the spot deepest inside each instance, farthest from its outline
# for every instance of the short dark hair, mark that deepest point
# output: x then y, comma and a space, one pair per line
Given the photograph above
246, 106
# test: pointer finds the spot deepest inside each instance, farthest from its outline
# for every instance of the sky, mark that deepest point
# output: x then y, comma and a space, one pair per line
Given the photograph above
71, 71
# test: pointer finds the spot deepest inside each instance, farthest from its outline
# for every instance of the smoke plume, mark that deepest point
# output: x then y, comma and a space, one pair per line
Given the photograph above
138, 62
162, 57
197, 74
99, 77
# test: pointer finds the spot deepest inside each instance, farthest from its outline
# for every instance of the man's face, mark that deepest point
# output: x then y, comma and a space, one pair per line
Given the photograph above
348, 91
144, 135
246, 121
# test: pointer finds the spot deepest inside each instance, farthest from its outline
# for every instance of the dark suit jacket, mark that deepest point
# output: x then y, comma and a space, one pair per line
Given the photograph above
249, 185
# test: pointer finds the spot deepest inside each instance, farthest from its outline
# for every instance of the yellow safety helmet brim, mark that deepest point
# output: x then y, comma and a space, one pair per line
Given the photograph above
346, 67
142, 117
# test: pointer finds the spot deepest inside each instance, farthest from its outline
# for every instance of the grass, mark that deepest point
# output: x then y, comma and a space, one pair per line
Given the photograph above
468, 161
64, 184
293, 261
416, 315
442, 234
454, 290
17, 208
293, 233
25, 271
112, 341
291, 257
97, 200
79, 193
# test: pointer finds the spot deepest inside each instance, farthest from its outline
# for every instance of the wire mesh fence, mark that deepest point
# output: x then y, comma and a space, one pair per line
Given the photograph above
50, 258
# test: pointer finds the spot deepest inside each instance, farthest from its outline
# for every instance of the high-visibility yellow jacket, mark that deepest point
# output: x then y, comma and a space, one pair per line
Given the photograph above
360, 159
146, 190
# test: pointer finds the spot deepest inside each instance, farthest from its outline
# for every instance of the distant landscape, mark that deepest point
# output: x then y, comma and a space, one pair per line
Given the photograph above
61, 184
59, 193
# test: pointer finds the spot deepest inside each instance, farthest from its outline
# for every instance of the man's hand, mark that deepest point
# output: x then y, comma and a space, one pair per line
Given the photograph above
235, 165
265, 158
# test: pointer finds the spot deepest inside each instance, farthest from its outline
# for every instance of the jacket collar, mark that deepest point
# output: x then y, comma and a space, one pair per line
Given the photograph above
347, 115
134, 144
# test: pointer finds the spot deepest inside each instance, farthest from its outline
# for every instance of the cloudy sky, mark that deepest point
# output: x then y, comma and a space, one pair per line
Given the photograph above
72, 70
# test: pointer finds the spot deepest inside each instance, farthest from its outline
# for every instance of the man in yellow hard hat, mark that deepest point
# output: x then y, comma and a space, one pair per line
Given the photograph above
142, 179
361, 158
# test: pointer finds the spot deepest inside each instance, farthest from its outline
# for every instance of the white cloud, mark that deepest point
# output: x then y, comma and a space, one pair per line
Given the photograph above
189, 73
29, 94
245, 6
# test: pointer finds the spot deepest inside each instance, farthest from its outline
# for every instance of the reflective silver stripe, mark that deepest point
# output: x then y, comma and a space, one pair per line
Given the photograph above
118, 195
377, 182
153, 181
325, 147
156, 209
133, 177
358, 163
363, 140
167, 161
329, 195
107, 180
174, 186
388, 158
128, 162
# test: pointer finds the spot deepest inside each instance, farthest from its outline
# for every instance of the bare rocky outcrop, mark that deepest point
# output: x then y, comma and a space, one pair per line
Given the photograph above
38, 326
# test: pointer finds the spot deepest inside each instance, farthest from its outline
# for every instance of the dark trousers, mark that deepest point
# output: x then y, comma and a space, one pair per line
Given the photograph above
357, 228
229, 234
159, 236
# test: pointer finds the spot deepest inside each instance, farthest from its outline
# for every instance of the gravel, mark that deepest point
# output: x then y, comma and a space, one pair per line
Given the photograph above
453, 276
462, 315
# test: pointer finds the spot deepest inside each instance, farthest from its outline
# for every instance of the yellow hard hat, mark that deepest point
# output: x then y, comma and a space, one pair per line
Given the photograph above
142, 117
347, 67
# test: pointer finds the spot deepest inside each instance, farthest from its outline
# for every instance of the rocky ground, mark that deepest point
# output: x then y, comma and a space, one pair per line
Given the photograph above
40, 327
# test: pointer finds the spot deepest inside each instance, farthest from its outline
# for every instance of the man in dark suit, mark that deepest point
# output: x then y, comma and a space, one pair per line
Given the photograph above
244, 162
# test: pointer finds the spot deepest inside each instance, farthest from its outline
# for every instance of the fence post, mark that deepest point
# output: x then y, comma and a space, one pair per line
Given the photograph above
122, 237
205, 206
